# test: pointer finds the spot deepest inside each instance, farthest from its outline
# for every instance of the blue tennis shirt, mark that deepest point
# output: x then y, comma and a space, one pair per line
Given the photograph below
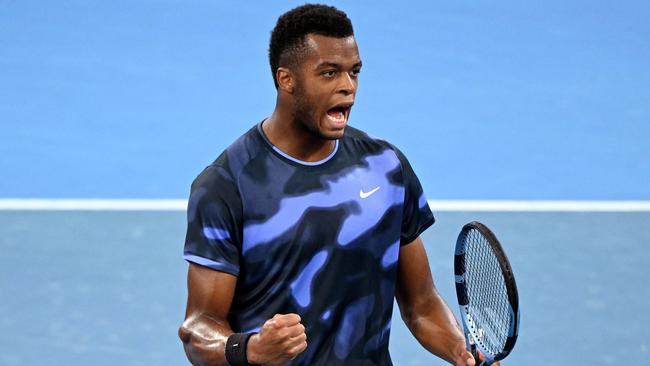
320, 239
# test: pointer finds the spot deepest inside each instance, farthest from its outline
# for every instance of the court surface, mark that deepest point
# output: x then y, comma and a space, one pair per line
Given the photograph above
108, 288
542, 100
131, 99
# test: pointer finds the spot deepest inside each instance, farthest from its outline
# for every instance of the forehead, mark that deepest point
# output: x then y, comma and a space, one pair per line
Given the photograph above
322, 49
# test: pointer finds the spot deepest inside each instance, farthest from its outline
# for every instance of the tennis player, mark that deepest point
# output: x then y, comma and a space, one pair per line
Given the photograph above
303, 232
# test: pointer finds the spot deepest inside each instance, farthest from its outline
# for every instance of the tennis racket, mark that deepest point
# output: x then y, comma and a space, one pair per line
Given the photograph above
487, 294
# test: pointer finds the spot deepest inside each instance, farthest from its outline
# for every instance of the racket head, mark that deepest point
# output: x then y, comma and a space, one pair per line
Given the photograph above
486, 291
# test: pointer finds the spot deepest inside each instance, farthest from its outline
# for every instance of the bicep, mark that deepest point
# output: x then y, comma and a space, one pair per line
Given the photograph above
415, 285
423, 310
209, 292
205, 330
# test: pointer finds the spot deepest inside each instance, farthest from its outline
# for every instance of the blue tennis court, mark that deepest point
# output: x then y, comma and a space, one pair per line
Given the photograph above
504, 101
107, 288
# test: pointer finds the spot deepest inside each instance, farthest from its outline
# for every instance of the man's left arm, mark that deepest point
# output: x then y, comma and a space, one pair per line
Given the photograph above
423, 309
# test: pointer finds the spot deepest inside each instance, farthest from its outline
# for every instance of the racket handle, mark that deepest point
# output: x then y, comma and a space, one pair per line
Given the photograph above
474, 352
477, 359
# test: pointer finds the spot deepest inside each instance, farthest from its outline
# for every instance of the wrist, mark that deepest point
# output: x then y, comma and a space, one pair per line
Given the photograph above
252, 350
237, 349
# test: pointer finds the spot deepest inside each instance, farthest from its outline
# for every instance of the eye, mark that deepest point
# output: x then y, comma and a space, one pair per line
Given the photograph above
329, 74
355, 72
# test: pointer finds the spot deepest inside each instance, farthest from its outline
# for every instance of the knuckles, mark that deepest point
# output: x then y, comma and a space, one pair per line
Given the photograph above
288, 341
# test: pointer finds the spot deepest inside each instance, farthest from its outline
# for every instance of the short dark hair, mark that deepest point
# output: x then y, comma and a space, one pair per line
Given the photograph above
288, 36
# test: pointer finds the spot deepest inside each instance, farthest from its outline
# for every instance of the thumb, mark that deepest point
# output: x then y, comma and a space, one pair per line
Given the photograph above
465, 359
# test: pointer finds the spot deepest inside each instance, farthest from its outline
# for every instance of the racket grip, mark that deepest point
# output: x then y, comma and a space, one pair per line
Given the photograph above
474, 352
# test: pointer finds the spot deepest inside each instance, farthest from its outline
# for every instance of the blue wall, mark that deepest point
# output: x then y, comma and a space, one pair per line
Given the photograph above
489, 100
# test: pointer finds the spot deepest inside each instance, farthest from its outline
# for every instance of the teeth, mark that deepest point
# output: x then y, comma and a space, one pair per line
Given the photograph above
337, 116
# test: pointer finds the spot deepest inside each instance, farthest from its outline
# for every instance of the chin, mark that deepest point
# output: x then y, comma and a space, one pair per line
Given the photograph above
333, 134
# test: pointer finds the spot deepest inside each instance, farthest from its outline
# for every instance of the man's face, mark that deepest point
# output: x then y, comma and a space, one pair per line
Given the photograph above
326, 84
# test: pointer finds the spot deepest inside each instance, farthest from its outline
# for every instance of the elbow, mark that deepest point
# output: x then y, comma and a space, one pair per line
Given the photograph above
186, 331
203, 345
185, 334
408, 317
415, 316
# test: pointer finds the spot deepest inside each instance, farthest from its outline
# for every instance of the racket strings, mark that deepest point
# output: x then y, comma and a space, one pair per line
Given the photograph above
488, 301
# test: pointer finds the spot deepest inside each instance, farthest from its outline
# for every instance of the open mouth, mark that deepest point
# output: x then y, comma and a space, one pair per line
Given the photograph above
339, 113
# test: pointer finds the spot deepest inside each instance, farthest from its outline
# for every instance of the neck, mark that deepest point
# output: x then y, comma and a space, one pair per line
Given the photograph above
294, 139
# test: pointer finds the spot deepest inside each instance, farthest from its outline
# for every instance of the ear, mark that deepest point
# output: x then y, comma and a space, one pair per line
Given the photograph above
286, 80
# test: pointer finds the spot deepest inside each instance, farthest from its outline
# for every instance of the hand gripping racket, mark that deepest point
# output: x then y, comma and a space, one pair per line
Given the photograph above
487, 294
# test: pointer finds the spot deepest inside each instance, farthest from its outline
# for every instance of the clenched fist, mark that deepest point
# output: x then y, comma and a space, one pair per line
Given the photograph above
280, 339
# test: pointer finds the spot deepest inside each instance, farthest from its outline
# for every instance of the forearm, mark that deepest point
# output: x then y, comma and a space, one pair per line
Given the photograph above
204, 340
433, 324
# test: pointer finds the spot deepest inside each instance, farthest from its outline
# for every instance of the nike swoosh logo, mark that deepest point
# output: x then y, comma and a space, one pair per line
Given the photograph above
363, 194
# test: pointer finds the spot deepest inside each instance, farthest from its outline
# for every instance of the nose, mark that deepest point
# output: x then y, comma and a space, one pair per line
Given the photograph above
348, 84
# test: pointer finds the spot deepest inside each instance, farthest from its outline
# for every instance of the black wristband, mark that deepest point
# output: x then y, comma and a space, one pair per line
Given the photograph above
236, 349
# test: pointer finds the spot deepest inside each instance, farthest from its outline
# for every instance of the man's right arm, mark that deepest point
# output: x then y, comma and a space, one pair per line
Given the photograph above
205, 330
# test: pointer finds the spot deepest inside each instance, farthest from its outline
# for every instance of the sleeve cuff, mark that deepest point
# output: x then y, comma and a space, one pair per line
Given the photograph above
217, 266
425, 225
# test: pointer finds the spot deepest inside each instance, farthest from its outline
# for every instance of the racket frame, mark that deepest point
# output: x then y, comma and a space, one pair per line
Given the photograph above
463, 299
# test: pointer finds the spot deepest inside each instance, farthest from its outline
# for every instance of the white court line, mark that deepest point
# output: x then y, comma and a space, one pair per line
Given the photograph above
436, 205
93, 204
541, 206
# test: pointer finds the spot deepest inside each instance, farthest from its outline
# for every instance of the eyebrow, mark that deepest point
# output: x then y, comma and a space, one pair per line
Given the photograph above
334, 65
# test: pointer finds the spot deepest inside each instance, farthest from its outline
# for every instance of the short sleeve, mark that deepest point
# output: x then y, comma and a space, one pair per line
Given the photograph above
214, 214
417, 215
